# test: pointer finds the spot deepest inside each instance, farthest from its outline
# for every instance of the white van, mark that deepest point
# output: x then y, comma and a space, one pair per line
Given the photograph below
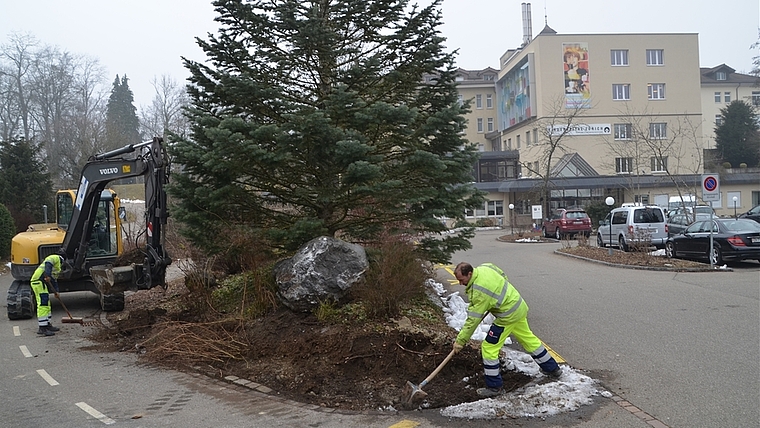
633, 225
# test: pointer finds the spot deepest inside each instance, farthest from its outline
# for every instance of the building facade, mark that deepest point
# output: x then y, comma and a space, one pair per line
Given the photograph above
619, 114
720, 86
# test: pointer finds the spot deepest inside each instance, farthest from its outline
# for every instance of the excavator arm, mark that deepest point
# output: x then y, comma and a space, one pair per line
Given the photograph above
150, 162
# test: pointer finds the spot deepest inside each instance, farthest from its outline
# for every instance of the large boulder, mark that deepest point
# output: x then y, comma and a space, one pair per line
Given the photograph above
323, 270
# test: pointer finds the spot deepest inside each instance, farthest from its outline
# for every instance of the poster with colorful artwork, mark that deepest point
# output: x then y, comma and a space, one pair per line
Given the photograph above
514, 93
575, 65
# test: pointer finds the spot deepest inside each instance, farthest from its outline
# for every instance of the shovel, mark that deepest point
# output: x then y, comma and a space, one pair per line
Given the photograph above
413, 394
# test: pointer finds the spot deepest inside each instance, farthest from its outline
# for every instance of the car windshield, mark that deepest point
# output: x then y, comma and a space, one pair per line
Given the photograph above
648, 215
741, 225
576, 214
703, 210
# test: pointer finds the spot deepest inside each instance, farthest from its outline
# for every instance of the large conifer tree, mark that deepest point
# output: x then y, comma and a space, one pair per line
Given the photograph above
122, 125
737, 138
336, 118
25, 184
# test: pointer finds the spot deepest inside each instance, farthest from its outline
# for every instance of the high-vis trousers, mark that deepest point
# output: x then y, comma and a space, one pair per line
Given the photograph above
494, 341
43, 303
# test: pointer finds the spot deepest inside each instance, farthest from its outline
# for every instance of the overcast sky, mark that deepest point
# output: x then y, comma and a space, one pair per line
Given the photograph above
145, 38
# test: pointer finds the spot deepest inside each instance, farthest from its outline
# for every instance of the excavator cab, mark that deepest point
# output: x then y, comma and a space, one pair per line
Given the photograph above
105, 239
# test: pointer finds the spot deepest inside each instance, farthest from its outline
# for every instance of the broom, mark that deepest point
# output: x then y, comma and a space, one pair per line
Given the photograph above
69, 319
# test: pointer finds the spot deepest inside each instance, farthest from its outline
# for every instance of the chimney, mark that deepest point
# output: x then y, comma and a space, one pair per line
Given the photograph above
527, 24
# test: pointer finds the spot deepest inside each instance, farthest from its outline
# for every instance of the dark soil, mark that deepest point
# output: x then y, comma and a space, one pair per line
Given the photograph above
356, 366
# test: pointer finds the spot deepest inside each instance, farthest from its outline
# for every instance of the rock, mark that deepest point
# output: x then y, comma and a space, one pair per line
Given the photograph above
322, 270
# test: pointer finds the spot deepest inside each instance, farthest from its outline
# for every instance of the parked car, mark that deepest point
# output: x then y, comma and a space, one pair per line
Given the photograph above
633, 225
753, 214
690, 210
679, 222
567, 222
733, 239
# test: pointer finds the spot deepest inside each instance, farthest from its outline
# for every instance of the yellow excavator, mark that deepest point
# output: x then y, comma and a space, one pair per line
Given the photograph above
87, 233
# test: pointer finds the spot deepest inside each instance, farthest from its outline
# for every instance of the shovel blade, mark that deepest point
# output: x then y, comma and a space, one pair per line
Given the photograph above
412, 394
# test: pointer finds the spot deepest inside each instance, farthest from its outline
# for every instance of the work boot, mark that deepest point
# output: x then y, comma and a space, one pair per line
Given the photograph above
555, 374
45, 332
52, 328
489, 392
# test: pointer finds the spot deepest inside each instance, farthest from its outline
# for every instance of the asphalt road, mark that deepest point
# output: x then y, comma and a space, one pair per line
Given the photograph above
681, 347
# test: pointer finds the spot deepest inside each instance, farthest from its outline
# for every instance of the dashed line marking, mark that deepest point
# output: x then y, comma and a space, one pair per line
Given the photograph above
49, 379
95, 414
16, 331
25, 351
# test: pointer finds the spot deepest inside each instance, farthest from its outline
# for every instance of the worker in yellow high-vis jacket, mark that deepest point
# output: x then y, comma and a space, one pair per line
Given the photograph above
489, 291
46, 275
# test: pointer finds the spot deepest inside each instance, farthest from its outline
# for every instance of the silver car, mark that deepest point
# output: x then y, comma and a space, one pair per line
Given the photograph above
633, 226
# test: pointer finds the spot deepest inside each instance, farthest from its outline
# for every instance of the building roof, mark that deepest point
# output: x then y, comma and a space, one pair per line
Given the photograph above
573, 165
709, 75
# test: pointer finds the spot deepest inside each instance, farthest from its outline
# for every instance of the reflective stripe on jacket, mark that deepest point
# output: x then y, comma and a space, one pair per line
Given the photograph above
489, 290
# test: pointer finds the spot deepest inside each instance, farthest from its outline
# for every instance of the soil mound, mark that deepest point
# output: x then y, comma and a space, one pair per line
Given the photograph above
353, 366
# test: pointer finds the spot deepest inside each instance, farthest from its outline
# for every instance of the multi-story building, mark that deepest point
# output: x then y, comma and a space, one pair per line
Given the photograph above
620, 115
721, 85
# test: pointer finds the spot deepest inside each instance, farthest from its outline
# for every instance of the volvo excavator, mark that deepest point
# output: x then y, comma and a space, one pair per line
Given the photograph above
88, 233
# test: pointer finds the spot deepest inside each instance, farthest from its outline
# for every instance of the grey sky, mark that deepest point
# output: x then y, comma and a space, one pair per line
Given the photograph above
145, 38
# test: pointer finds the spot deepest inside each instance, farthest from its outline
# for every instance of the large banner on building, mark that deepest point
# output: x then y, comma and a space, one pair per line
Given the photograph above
575, 66
514, 95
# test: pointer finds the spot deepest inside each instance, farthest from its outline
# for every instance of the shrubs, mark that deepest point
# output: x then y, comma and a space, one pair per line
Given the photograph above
396, 276
7, 230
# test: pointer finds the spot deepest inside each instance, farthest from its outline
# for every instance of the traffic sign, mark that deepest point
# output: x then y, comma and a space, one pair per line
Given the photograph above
710, 187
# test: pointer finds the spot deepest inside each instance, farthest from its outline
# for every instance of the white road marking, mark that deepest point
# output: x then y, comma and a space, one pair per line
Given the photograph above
16, 331
49, 379
25, 351
95, 414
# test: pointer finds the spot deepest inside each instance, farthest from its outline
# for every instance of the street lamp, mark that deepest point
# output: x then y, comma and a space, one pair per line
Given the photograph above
735, 199
511, 224
610, 201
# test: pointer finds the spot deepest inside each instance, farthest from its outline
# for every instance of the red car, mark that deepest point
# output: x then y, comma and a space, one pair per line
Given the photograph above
567, 222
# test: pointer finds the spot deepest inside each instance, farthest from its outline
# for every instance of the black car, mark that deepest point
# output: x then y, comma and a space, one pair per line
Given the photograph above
679, 222
733, 239
753, 214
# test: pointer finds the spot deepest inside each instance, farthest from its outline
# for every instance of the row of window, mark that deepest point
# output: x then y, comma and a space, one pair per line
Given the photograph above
619, 57
489, 125
624, 131
726, 95
622, 91
656, 164
479, 101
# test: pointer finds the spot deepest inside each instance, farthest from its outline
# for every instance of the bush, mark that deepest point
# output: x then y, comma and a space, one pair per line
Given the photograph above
396, 276
597, 211
7, 230
251, 294
485, 222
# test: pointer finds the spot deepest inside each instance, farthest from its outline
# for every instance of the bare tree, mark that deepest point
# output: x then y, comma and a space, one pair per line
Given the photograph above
55, 98
670, 145
17, 57
164, 115
554, 130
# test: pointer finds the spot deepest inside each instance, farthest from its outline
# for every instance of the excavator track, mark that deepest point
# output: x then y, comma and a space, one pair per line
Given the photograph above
21, 301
